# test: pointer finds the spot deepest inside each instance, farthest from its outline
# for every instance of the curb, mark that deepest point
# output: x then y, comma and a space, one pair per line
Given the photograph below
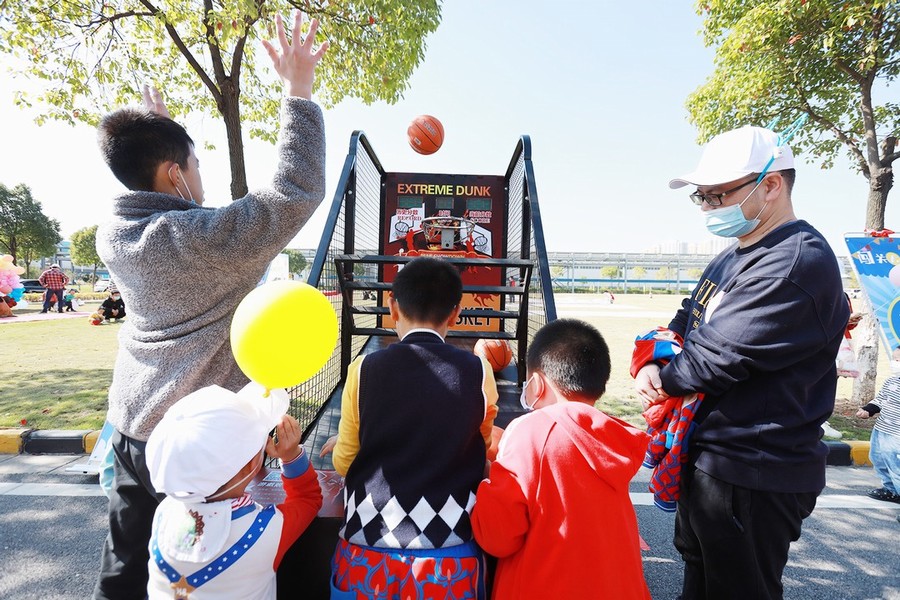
31, 441
848, 454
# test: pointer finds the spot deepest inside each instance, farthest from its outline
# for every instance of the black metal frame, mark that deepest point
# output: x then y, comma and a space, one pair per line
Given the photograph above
351, 235
522, 198
351, 310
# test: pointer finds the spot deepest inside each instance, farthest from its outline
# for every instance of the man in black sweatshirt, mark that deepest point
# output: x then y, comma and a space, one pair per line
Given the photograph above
761, 332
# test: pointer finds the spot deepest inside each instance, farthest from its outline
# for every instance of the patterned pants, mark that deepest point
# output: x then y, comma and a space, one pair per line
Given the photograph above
365, 573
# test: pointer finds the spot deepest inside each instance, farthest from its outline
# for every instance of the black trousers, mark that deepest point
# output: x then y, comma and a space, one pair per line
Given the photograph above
734, 541
132, 502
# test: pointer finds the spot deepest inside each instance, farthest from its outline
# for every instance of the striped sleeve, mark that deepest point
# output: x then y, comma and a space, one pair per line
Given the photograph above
888, 400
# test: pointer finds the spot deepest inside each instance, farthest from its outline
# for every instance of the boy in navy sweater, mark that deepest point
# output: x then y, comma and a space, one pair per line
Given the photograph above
416, 422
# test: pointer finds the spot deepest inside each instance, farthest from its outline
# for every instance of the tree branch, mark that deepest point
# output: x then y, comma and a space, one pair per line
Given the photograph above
838, 132
841, 135
102, 20
192, 61
237, 58
215, 52
888, 145
103, 54
850, 71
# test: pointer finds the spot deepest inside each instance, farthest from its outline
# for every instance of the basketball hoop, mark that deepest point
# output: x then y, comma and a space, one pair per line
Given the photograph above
447, 231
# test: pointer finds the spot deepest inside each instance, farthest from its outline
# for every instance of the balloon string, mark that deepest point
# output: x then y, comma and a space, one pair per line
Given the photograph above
266, 393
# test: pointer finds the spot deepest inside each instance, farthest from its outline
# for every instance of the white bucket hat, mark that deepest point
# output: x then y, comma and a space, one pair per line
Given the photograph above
205, 438
735, 154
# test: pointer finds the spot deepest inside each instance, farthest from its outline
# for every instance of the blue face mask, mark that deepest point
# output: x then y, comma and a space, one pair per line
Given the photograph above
729, 221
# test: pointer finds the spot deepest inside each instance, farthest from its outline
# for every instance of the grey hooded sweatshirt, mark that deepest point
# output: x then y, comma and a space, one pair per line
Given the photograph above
183, 269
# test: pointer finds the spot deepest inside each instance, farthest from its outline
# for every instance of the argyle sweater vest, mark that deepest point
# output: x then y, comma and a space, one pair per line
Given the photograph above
421, 455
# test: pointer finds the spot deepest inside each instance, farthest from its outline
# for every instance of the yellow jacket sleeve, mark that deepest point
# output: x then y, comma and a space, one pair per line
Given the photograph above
489, 389
347, 446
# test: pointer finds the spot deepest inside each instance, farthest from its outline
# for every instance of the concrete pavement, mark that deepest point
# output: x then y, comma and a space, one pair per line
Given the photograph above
53, 522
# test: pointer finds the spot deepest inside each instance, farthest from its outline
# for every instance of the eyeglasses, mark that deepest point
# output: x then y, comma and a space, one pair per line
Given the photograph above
699, 198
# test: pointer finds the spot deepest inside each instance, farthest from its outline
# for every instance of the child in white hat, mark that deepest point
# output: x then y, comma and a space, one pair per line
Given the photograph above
209, 538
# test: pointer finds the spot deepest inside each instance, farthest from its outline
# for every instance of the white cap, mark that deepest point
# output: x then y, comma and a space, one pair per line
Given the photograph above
735, 154
205, 438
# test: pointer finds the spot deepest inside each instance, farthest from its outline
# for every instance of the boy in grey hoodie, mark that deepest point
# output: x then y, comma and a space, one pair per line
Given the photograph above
162, 243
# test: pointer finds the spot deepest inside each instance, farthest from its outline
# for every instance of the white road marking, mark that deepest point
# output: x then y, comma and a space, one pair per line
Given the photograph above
50, 489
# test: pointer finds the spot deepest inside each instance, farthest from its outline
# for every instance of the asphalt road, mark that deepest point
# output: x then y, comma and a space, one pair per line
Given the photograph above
52, 525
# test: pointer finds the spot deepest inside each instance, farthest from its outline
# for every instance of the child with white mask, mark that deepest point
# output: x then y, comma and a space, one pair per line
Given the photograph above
884, 451
209, 538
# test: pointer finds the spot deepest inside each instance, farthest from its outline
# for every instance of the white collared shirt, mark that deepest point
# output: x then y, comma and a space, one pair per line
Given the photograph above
423, 330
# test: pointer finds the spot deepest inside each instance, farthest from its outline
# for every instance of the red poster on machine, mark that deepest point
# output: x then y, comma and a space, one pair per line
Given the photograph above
448, 215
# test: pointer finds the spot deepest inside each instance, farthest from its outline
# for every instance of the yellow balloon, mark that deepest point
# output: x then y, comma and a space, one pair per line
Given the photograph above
282, 333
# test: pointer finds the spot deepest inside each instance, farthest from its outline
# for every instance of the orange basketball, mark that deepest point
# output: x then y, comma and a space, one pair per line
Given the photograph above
497, 352
426, 134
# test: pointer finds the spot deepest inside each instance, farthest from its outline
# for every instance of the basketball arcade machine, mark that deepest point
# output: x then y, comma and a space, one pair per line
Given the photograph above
488, 226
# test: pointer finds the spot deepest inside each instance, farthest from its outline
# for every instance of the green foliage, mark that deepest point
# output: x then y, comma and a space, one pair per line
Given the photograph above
84, 248
639, 272
609, 272
784, 58
296, 261
207, 57
25, 231
94, 56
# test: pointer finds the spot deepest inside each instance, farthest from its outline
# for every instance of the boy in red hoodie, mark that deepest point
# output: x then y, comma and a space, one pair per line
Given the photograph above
555, 509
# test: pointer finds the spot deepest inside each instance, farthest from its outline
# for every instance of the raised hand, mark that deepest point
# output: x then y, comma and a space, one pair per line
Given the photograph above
288, 446
296, 63
153, 101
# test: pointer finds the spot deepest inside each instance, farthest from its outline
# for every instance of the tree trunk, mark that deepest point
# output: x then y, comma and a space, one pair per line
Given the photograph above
866, 337
231, 113
881, 180
26, 256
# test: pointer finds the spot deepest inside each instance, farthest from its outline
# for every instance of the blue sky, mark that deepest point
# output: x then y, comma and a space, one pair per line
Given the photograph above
599, 86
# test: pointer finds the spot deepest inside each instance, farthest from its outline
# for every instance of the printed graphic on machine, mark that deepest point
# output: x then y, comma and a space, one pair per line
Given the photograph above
448, 215
877, 264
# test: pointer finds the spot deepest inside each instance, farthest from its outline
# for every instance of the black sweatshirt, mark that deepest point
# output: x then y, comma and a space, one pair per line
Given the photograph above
761, 330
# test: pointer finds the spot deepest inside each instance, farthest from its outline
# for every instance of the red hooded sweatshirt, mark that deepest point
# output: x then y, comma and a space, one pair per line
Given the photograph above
556, 510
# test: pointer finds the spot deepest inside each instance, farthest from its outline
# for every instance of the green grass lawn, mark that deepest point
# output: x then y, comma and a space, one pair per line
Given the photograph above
55, 374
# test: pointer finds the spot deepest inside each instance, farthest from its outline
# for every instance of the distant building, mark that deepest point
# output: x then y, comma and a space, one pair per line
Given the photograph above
710, 246
63, 257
